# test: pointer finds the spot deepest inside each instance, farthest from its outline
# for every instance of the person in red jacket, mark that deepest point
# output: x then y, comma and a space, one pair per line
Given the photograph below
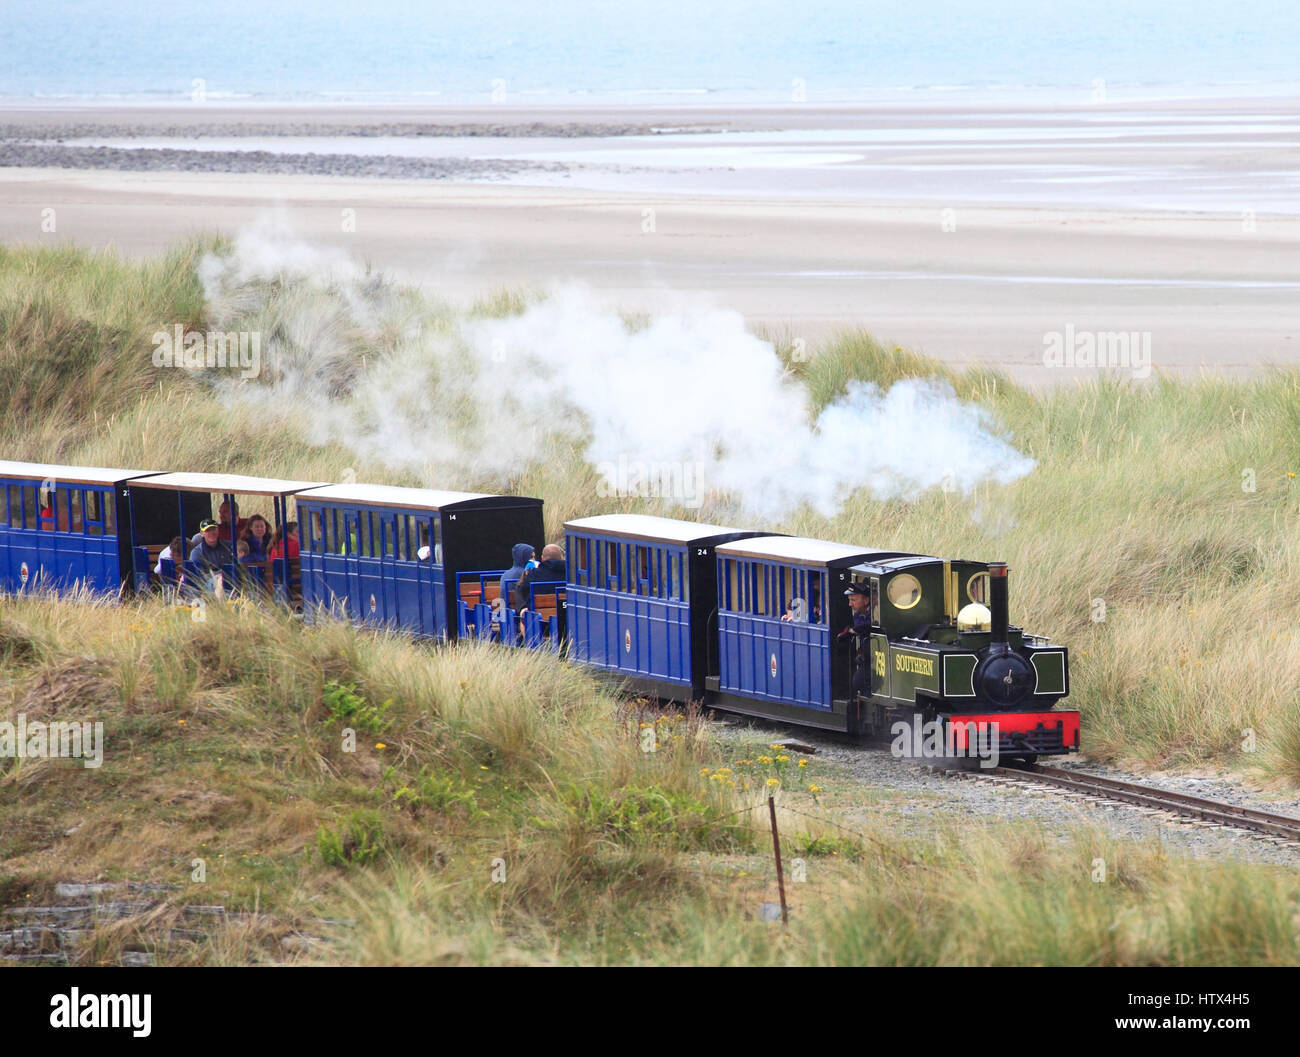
286, 537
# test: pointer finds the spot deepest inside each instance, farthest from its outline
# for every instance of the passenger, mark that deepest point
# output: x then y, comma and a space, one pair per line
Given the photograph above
812, 614
47, 513
424, 553
211, 553
521, 554
241, 523
290, 533
258, 537
552, 567
242, 552
174, 552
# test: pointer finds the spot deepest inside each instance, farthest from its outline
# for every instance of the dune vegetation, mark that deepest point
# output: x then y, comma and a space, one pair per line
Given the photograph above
498, 806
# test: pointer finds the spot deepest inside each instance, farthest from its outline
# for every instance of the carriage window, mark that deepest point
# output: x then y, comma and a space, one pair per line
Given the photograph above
611, 566
92, 512
681, 578
366, 543
401, 532
58, 504
45, 513
29, 506
417, 533
760, 579
109, 500
331, 531
76, 524
388, 536
642, 584
315, 531
436, 555
15, 507
582, 559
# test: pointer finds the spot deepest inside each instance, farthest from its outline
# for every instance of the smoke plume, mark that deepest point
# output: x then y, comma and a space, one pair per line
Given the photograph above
398, 378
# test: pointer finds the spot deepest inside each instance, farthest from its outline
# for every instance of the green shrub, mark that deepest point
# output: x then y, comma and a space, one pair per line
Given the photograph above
357, 842
435, 792
349, 708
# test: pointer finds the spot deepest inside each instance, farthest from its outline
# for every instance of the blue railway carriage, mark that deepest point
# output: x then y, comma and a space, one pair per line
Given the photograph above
64, 527
162, 506
781, 605
401, 557
641, 596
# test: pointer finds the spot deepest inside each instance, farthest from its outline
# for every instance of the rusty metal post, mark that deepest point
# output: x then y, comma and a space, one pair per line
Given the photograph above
776, 848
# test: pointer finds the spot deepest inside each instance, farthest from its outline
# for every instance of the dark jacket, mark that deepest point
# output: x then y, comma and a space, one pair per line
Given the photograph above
211, 559
548, 571
258, 550
519, 554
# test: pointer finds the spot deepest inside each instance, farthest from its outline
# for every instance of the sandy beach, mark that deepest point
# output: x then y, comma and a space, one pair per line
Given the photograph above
971, 234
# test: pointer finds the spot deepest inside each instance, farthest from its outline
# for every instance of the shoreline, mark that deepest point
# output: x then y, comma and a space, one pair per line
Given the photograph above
967, 236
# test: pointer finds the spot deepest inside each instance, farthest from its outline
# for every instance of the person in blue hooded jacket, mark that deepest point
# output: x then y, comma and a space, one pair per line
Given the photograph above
521, 554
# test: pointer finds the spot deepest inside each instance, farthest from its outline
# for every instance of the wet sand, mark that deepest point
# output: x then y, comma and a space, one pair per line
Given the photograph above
969, 235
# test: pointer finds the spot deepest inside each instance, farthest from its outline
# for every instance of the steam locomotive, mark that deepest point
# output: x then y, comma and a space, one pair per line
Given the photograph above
741, 620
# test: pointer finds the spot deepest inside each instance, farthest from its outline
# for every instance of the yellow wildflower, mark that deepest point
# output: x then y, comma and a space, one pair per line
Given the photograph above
773, 781
803, 763
380, 745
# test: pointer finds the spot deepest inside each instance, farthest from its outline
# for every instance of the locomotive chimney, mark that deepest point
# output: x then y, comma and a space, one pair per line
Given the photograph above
998, 601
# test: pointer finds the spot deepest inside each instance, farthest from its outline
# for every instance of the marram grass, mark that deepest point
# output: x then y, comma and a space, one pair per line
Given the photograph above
1157, 537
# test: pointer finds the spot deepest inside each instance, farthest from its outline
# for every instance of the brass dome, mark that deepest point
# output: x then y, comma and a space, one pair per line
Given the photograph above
975, 617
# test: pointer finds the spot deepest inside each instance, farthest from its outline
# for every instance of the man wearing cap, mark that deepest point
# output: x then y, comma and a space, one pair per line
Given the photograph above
859, 596
211, 552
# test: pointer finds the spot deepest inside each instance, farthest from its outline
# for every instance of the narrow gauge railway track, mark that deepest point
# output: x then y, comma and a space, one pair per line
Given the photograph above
1211, 811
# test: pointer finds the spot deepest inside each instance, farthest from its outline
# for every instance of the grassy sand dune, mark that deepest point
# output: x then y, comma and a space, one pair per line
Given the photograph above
498, 807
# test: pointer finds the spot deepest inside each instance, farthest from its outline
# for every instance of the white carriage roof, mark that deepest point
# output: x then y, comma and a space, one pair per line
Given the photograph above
793, 549
40, 471
233, 483
391, 495
643, 526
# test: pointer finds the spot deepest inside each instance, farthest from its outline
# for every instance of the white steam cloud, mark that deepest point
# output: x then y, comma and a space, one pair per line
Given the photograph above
689, 400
